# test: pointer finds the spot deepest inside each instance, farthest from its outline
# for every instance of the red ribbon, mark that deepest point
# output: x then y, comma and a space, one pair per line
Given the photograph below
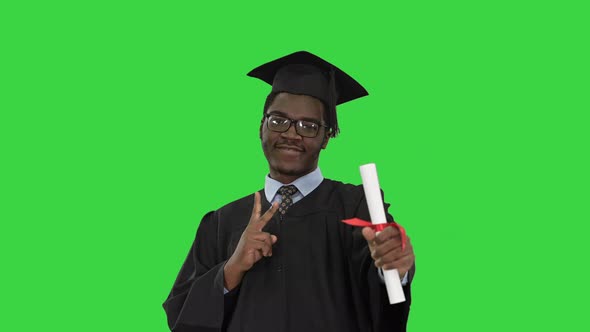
378, 227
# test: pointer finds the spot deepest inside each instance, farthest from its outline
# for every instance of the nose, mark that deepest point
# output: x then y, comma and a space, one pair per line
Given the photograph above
291, 133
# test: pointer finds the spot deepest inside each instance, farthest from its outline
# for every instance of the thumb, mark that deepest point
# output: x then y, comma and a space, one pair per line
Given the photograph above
274, 239
369, 234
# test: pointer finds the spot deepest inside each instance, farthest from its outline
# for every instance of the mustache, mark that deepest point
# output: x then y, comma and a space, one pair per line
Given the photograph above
289, 145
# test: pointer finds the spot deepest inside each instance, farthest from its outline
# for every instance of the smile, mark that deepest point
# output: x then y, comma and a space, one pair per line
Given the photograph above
289, 148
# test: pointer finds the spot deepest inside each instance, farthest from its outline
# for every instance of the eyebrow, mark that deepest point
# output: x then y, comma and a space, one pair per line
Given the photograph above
276, 112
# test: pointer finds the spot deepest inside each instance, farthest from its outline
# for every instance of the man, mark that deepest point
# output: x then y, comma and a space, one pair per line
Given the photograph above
281, 259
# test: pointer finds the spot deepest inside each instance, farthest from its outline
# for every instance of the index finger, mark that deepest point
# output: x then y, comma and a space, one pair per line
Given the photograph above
387, 233
256, 209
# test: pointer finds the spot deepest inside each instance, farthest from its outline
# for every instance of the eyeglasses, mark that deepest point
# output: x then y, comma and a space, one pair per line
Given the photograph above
281, 124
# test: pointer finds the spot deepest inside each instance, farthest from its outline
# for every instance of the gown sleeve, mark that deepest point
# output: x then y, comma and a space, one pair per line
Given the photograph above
197, 301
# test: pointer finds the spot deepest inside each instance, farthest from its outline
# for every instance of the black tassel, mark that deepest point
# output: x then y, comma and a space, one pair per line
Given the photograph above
332, 119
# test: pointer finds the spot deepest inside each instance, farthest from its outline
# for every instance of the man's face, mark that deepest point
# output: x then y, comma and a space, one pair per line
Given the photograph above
290, 155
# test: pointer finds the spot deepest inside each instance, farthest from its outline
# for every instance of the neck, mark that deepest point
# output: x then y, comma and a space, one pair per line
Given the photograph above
287, 178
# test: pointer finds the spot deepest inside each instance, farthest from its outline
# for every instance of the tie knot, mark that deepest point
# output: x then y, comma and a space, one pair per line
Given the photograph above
287, 190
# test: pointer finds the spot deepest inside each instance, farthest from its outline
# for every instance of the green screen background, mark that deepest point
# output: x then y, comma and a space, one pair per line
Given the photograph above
122, 123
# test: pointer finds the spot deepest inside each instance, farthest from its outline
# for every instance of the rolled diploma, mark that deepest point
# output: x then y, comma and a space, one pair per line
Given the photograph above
377, 213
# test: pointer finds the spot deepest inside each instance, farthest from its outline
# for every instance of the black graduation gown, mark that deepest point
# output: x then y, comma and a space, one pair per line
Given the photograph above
320, 277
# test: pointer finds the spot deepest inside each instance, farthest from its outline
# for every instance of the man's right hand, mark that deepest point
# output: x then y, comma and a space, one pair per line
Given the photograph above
253, 245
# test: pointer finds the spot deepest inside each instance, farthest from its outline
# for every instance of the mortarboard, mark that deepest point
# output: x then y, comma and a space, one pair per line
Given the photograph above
307, 74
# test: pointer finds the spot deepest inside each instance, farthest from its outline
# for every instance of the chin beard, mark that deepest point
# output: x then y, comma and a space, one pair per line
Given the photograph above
291, 171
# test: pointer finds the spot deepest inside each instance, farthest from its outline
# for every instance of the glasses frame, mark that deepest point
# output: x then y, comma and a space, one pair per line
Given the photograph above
291, 122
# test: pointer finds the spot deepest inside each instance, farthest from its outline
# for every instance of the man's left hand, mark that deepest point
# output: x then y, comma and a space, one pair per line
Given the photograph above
386, 249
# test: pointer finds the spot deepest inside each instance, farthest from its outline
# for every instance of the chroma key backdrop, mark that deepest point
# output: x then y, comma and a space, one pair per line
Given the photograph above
123, 122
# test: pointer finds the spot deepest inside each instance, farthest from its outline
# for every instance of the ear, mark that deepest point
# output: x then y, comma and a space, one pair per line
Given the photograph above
260, 129
325, 141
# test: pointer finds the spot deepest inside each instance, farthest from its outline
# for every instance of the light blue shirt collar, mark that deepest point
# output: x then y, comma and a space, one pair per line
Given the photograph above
305, 184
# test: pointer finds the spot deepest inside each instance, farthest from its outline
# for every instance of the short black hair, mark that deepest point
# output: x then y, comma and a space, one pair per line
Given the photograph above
332, 124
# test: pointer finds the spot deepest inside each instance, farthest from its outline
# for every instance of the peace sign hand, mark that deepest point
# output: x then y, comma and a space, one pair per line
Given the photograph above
253, 245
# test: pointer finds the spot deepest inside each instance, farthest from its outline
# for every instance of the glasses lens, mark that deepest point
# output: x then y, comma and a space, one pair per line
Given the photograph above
307, 128
278, 123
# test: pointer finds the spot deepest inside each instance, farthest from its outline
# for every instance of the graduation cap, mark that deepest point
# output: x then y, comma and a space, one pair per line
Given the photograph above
304, 73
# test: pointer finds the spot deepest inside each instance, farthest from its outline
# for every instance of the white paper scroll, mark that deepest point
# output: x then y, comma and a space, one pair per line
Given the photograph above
377, 213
